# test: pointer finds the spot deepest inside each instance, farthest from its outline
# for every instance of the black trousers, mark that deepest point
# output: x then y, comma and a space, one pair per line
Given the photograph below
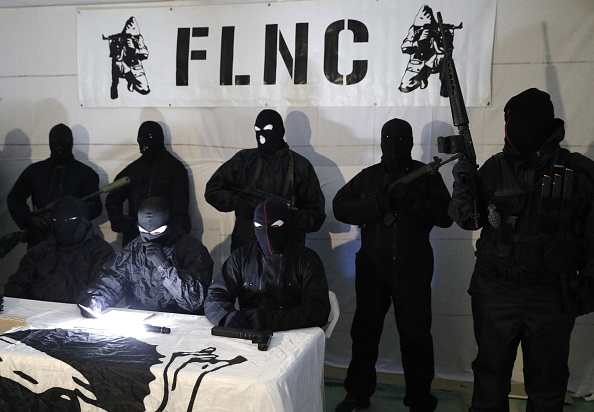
527, 315
411, 294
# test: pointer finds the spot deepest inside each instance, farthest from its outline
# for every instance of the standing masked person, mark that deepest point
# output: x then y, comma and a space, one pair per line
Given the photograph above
394, 265
48, 180
271, 168
64, 264
280, 284
162, 269
535, 254
156, 173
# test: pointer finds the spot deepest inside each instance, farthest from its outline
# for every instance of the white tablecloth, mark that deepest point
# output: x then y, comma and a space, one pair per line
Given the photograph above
61, 357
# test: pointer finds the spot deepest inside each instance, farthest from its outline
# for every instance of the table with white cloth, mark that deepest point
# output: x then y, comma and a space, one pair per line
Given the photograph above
60, 360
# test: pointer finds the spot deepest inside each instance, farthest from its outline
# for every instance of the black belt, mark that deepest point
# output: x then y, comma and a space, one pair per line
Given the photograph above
525, 277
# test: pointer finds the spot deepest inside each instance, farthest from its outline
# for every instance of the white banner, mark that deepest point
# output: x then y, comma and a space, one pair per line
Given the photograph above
302, 53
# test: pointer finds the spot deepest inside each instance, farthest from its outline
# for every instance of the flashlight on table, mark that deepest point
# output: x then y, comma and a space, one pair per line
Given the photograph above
157, 329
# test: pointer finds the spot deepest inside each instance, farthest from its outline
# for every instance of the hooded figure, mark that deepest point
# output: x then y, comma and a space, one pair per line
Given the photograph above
279, 283
273, 224
70, 223
156, 173
61, 143
46, 181
534, 270
270, 132
529, 119
394, 265
269, 170
62, 266
150, 139
162, 269
396, 143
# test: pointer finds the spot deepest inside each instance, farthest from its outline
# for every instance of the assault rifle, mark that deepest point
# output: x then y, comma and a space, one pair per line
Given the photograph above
462, 143
262, 338
9, 242
258, 194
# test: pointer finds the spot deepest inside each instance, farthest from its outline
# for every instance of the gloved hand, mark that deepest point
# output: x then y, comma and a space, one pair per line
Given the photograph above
38, 224
235, 319
256, 318
154, 253
124, 224
90, 304
464, 172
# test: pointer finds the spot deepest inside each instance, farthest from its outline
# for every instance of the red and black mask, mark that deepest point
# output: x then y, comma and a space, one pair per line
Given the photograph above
529, 120
273, 223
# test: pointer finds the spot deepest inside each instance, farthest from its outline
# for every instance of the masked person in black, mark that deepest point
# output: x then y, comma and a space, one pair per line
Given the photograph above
162, 269
65, 263
534, 257
48, 180
156, 173
271, 168
280, 284
394, 264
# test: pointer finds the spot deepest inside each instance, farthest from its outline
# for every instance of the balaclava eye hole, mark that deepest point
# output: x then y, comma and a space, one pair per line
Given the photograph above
153, 215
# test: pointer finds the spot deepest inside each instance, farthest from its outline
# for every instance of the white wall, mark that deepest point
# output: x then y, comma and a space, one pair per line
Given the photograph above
545, 44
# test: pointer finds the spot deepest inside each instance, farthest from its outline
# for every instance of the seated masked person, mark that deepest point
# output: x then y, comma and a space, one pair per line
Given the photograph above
64, 264
163, 269
279, 283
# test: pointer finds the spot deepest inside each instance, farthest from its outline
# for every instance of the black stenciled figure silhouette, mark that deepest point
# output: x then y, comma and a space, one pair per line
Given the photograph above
127, 50
425, 46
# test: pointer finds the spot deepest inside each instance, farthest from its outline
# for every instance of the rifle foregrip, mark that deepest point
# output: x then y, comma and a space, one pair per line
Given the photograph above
116, 185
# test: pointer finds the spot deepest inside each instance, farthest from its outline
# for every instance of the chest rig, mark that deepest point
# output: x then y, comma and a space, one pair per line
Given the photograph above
531, 211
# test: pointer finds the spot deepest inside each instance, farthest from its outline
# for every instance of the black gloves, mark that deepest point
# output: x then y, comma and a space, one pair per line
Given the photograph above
256, 318
89, 308
38, 225
465, 176
154, 253
253, 319
235, 319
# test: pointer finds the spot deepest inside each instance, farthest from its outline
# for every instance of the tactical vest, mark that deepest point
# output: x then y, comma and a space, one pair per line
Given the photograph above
530, 218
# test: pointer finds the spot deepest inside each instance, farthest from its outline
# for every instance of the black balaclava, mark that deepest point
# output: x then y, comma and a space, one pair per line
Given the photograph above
273, 223
529, 120
153, 220
61, 143
396, 143
70, 223
150, 139
269, 132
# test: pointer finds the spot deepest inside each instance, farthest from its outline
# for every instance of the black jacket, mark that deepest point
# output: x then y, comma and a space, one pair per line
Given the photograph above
538, 242
163, 176
47, 272
178, 285
240, 171
291, 288
406, 241
46, 182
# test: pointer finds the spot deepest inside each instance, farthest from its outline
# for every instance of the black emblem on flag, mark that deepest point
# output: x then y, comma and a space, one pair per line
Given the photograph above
425, 46
127, 51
